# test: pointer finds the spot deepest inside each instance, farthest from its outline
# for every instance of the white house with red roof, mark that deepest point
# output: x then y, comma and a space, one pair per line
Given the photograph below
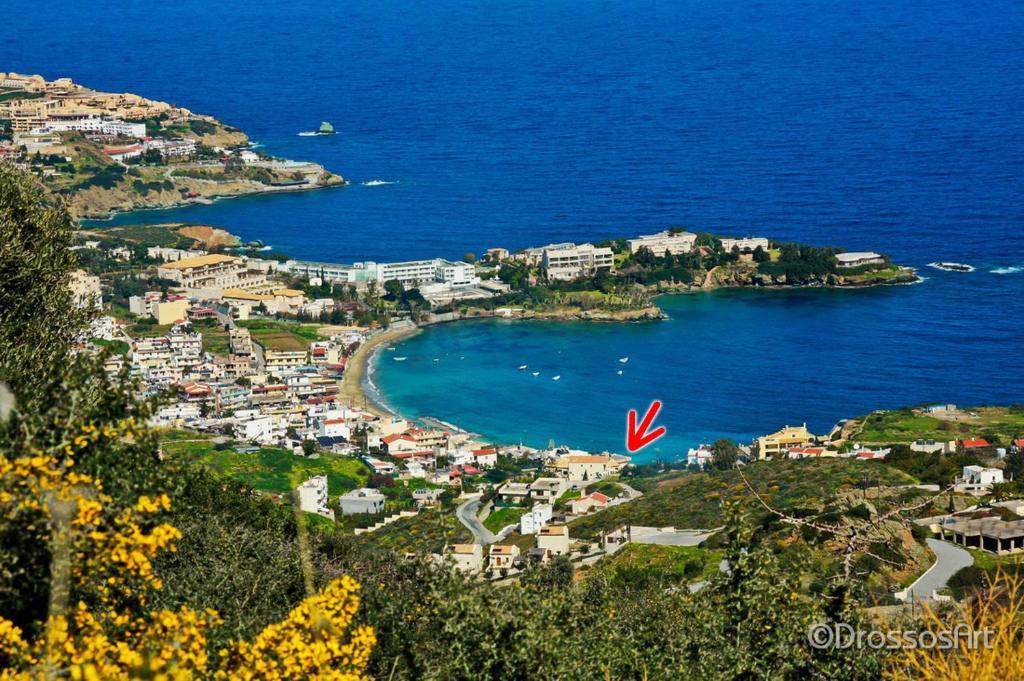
486, 457
398, 443
594, 501
337, 427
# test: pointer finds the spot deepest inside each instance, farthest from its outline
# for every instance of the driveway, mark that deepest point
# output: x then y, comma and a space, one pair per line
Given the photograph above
949, 559
466, 513
654, 535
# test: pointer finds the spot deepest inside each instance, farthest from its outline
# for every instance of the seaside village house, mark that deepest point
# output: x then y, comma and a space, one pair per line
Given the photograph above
362, 500
978, 479
548, 489
775, 444
468, 558
313, 497
554, 540
502, 556
583, 467
594, 501
533, 520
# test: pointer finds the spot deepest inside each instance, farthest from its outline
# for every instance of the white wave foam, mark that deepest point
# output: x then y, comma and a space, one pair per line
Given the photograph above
378, 183
952, 266
1007, 270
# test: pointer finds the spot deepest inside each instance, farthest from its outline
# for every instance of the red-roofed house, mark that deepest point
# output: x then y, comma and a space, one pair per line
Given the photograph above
196, 392
124, 153
400, 442
335, 428
486, 457
584, 505
808, 453
975, 443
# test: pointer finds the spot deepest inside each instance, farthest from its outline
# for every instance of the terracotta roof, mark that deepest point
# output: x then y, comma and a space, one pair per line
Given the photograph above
588, 459
200, 261
977, 442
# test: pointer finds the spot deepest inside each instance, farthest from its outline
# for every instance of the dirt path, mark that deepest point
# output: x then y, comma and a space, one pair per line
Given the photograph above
708, 277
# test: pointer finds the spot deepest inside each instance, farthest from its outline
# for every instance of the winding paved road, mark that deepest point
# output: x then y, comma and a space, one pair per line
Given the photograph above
466, 513
949, 559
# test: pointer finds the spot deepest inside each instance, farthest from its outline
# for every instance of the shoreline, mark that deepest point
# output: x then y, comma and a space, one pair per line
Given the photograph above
355, 388
208, 200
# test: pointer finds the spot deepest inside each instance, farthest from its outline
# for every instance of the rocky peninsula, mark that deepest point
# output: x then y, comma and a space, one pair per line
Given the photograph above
105, 152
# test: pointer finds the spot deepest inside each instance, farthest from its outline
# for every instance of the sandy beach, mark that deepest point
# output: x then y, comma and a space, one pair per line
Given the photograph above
352, 389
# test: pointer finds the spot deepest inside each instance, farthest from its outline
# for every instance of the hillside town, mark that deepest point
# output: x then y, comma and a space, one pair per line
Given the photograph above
224, 349
110, 151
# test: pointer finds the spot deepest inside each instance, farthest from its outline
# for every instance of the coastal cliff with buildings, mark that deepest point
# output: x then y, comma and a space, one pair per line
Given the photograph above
106, 152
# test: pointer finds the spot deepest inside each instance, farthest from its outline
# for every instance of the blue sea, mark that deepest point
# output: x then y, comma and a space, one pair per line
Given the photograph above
873, 125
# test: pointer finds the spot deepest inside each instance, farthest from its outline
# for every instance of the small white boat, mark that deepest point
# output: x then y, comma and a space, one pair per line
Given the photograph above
400, 359
556, 378
522, 366
619, 372
437, 359
536, 373
623, 360
390, 349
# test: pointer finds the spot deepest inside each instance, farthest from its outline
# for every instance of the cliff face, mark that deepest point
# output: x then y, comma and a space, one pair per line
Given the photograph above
97, 202
746, 275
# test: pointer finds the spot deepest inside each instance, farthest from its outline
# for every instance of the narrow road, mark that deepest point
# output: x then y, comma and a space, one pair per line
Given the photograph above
949, 559
466, 514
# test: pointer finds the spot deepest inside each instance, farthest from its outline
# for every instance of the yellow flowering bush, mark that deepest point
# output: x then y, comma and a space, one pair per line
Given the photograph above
310, 643
105, 558
995, 656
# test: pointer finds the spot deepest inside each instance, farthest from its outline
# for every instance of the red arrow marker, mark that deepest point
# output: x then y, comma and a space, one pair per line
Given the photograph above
638, 438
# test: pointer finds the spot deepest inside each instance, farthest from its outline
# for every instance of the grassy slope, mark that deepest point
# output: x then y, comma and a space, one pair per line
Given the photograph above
281, 335
272, 470
427, 532
503, 517
904, 425
693, 500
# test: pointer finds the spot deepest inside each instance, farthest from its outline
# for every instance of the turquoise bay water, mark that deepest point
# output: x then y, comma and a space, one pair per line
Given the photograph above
873, 125
728, 363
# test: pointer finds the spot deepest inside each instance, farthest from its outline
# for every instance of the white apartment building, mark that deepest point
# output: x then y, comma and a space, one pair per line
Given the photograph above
186, 346
94, 125
673, 242
282, 361
746, 244
566, 262
411, 274
313, 497
172, 254
171, 149
267, 430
